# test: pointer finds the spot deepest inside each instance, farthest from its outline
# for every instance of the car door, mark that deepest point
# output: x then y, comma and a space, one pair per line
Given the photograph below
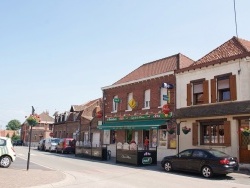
197, 160
181, 161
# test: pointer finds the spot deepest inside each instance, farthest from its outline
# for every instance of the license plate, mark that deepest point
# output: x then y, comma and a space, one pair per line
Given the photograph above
232, 162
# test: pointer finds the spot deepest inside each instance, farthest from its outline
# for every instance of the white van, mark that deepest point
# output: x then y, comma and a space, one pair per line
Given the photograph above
50, 144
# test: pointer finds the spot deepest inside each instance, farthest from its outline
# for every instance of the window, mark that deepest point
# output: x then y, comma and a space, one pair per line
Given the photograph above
129, 97
212, 133
164, 97
2, 142
147, 99
223, 88
197, 93
115, 103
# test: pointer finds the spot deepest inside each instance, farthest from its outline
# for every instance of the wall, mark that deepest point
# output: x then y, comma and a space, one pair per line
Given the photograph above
242, 79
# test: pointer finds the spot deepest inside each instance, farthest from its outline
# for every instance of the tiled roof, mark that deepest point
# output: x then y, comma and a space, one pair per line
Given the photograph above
78, 108
230, 50
44, 117
218, 109
157, 67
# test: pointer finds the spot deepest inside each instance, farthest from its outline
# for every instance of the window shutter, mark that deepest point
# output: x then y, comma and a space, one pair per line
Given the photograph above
189, 94
205, 92
227, 133
195, 134
213, 90
232, 82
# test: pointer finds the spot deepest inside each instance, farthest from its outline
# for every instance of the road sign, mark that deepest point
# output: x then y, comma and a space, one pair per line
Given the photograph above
165, 97
51, 134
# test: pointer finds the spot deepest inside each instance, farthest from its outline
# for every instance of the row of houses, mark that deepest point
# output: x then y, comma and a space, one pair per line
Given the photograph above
211, 97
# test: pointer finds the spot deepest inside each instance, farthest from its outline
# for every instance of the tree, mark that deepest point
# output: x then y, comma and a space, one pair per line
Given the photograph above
13, 125
15, 137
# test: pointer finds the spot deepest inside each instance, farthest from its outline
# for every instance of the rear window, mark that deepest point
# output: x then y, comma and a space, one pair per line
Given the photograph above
218, 153
55, 140
2, 142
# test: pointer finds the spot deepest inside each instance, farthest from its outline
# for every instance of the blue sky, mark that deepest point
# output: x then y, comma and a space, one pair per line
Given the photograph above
58, 53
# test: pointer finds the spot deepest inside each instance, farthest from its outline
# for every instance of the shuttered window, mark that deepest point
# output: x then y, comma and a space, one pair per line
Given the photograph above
189, 94
215, 133
223, 88
213, 90
195, 134
232, 83
197, 92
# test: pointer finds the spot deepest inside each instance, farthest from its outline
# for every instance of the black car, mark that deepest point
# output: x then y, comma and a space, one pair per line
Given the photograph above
17, 143
205, 161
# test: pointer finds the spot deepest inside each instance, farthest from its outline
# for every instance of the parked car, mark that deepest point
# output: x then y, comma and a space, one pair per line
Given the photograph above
7, 152
66, 145
17, 143
41, 145
50, 144
205, 161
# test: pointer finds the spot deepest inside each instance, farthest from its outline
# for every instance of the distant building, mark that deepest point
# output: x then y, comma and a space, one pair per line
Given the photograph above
41, 130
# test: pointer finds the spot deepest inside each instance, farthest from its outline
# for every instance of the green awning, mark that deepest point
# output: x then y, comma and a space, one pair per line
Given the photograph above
136, 125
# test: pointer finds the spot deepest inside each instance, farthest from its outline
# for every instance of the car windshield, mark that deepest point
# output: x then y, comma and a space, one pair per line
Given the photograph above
56, 140
217, 153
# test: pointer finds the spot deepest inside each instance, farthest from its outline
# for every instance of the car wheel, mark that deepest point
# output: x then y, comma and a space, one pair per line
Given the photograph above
167, 166
206, 172
49, 149
5, 161
62, 151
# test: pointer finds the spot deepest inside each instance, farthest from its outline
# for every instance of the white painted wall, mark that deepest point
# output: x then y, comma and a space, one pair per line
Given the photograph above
186, 140
242, 79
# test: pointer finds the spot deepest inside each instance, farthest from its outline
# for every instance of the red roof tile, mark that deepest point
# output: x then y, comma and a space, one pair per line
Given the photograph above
157, 67
228, 51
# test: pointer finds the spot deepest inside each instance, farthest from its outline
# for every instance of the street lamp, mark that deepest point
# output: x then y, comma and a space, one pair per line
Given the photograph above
28, 161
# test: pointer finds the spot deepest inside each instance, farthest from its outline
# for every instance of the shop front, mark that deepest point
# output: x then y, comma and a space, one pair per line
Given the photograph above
136, 139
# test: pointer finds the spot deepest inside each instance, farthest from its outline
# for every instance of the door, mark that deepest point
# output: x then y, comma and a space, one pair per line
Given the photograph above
96, 140
244, 142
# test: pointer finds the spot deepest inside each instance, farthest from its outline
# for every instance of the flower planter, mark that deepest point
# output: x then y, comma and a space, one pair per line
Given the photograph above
245, 133
185, 131
171, 131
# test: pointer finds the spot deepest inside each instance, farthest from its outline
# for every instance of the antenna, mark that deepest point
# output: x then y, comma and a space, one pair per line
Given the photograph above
235, 20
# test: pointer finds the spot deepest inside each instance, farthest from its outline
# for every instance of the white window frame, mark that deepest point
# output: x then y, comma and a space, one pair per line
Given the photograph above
147, 99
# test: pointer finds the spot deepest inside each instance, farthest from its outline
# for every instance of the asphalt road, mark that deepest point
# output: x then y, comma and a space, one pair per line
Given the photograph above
70, 172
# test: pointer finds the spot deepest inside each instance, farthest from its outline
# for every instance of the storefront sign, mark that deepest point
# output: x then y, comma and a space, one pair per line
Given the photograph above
117, 100
141, 117
146, 160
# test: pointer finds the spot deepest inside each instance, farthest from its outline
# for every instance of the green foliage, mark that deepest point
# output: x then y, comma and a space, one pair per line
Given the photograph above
13, 125
15, 137
8, 135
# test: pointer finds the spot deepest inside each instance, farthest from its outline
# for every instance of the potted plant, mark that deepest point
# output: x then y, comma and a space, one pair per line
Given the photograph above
171, 129
186, 130
33, 120
245, 131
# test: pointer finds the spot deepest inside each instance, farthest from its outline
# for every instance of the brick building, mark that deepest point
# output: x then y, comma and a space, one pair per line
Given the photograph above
133, 106
41, 130
79, 123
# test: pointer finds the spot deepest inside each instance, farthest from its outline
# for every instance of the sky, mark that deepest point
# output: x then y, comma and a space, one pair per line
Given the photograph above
58, 53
